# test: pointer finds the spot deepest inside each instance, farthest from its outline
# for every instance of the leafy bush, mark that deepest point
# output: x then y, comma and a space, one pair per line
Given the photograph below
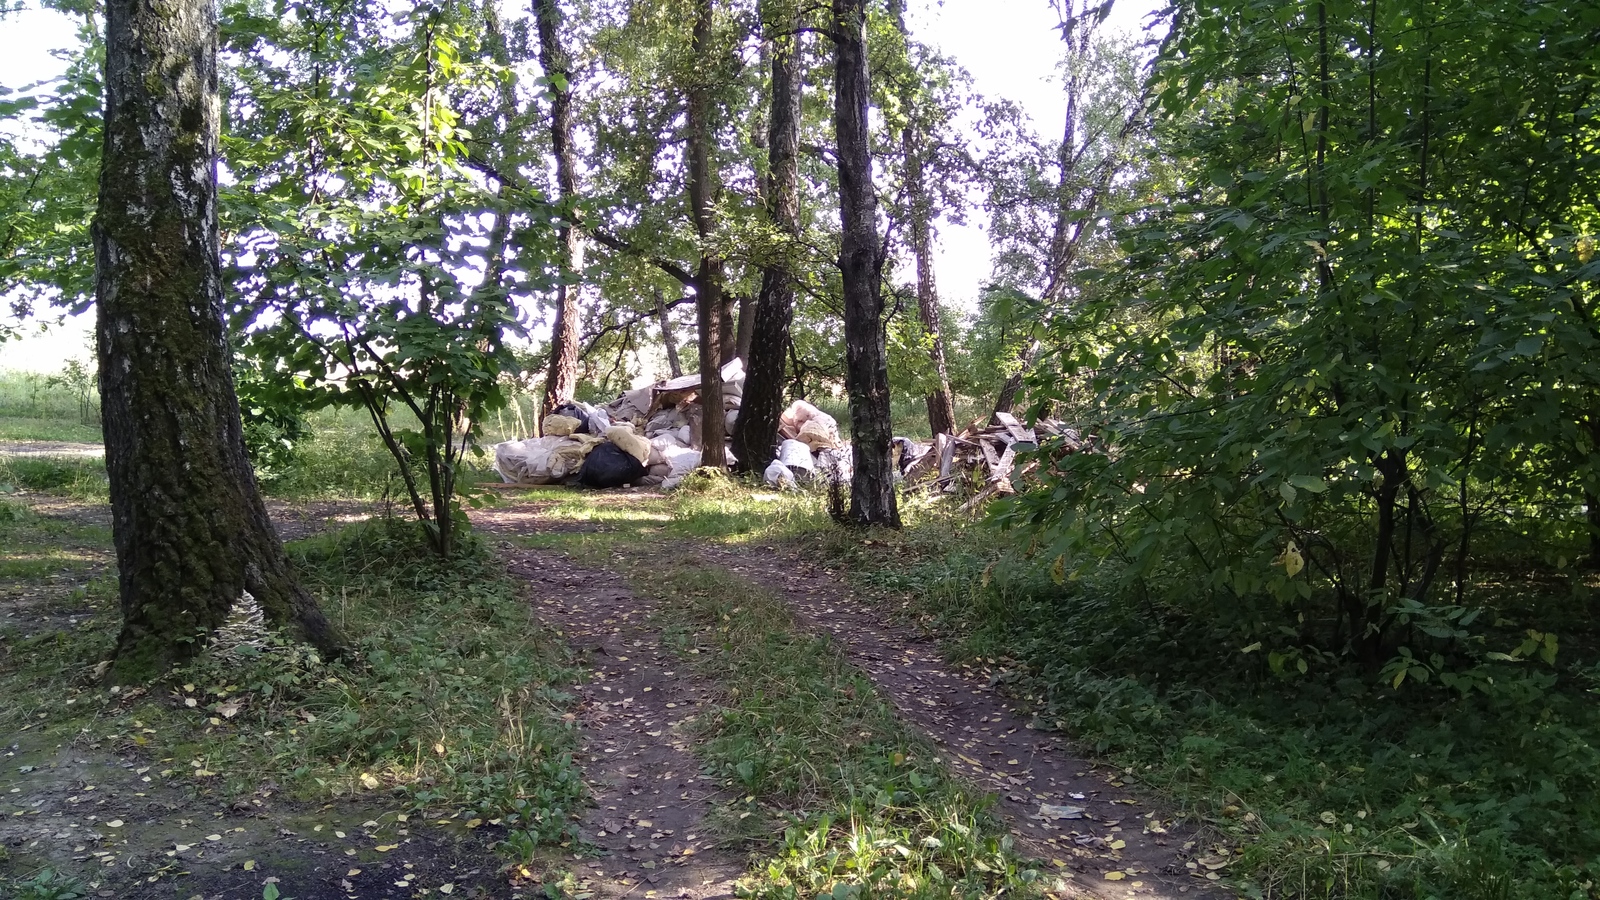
1335, 786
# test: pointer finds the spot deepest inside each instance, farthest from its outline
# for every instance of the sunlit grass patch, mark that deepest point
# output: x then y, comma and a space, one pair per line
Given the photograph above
864, 806
74, 476
28, 428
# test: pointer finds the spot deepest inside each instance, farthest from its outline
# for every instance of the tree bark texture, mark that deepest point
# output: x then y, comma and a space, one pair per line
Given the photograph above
562, 379
709, 303
191, 533
913, 143
755, 436
872, 499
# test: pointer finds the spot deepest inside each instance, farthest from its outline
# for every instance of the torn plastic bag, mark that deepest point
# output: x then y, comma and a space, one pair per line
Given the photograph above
779, 476
610, 466
525, 462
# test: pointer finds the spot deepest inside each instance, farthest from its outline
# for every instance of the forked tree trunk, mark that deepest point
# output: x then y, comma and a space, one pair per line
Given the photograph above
913, 144
562, 379
709, 304
872, 500
191, 533
756, 432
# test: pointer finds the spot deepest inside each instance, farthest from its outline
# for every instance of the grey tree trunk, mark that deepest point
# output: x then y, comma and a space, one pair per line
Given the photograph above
562, 379
191, 533
668, 339
755, 435
872, 500
1074, 211
913, 144
712, 315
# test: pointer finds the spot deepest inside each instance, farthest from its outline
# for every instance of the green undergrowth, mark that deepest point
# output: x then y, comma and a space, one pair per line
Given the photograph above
1333, 783
453, 702
82, 478
30, 428
812, 752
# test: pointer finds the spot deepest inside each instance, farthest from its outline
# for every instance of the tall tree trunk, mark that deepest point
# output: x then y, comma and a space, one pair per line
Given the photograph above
562, 379
755, 435
191, 533
1074, 210
913, 142
872, 500
668, 339
709, 303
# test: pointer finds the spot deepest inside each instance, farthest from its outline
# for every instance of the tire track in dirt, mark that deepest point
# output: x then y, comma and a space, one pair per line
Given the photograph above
994, 747
635, 710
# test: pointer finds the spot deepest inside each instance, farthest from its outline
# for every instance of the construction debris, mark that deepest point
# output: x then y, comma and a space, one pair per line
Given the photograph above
981, 460
652, 436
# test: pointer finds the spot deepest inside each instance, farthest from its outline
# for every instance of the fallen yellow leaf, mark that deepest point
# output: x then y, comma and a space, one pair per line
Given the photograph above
1118, 844
249, 865
368, 781
385, 848
1116, 876
447, 888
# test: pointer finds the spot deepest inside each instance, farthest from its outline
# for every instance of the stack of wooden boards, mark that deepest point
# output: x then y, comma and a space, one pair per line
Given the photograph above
982, 459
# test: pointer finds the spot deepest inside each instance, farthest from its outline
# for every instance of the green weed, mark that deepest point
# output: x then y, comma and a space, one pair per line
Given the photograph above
49, 884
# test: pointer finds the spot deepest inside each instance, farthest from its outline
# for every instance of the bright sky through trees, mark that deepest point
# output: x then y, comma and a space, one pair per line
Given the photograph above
1011, 48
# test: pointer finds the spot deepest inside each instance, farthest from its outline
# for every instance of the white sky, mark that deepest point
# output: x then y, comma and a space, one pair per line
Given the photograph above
1010, 46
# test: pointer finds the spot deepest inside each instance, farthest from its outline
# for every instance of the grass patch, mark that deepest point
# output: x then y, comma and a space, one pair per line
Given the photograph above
1335, 785
83, 478
454, 703
72, 431
864, 807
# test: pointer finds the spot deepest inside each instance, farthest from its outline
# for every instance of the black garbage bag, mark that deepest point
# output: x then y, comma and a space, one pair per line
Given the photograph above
609, 466
573, 410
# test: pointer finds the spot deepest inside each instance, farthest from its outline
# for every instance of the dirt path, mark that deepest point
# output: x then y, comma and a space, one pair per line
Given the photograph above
1061, 806
1111, 829
51, 448
650, 799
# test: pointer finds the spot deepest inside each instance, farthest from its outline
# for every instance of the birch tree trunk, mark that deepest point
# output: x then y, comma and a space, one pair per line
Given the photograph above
872, 500
192, 536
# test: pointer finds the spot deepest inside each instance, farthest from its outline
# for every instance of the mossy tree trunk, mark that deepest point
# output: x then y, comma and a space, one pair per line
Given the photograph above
872, 500
191, 533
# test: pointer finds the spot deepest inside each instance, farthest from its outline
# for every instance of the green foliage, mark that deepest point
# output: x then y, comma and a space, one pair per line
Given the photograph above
48, 884
1332, 785
82, 382
74, 476
1355, 346
372, 265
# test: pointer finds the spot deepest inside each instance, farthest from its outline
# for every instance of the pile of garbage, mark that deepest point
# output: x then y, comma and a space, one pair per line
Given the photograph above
981, 459
650, 437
